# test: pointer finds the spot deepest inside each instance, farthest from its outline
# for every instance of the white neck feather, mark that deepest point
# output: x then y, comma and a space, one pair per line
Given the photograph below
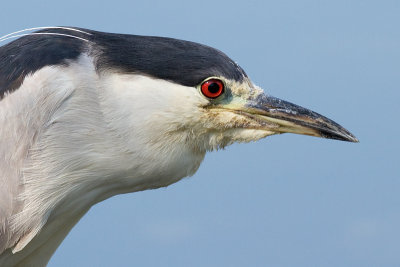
86, 138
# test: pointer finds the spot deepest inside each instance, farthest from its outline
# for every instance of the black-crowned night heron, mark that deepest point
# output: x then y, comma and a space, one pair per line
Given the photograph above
86, 115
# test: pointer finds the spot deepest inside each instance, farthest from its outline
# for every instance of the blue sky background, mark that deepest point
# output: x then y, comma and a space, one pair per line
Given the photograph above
286, 200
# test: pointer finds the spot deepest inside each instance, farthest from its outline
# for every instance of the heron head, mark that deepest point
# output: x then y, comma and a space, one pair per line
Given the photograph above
198, 95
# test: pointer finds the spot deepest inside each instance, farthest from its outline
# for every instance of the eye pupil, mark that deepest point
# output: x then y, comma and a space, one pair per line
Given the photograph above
212, 88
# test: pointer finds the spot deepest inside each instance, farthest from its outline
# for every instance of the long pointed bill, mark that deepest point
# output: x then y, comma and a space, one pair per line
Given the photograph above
283, 117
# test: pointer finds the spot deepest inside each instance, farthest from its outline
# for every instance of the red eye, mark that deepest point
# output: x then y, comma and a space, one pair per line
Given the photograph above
212, 88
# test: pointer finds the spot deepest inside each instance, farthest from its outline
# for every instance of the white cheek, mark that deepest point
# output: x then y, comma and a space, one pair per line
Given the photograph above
144, 104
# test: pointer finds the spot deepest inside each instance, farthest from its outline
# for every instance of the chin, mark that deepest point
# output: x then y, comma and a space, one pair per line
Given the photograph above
220, 140
247, 135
